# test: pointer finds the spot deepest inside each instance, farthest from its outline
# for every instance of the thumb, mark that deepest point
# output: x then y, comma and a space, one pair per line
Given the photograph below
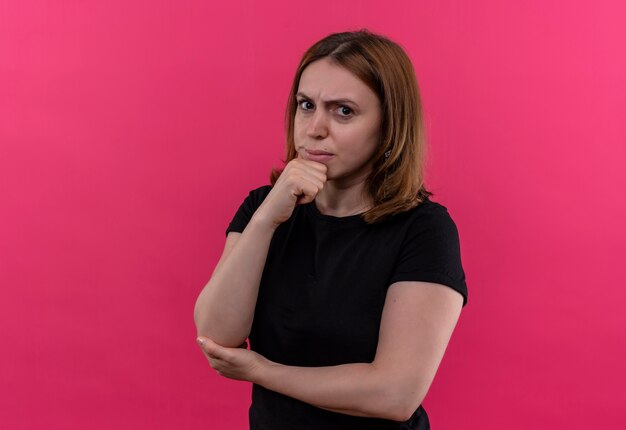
304, 199
210, 347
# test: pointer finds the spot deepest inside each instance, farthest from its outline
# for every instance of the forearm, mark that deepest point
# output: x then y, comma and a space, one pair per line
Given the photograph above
359, 389
224, 309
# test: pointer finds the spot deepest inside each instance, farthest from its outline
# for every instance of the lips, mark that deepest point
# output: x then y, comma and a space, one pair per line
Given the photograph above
314, 152
319, 156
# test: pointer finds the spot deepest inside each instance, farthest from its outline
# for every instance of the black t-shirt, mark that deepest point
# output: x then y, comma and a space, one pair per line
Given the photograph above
322, 293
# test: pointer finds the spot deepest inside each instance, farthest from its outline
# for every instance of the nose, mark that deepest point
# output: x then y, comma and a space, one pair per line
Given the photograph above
317, 127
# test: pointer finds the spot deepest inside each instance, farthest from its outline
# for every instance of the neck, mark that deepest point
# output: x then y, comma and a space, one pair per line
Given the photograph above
343, 200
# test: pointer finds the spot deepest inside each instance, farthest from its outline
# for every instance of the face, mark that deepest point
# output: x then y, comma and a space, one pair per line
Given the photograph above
337, 121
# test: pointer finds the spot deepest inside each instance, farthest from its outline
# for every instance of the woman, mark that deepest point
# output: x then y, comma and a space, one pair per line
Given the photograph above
343, 274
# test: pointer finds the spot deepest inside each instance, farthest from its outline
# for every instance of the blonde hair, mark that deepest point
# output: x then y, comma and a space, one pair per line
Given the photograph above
396, 183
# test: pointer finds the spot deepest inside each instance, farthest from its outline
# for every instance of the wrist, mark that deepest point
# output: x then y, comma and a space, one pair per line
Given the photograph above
260, 221
262, 373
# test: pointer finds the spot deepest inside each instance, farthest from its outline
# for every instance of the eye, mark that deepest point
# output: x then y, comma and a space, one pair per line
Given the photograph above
305, 105
344, 111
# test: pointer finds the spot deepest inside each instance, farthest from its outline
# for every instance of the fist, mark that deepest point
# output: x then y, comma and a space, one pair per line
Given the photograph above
299, 183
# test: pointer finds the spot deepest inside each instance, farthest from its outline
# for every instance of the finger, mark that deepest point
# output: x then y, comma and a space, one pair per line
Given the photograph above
215, 363
298, 170
315, 173
302, 181
302, 162
210, 347
310, 188
316, 166
312, 184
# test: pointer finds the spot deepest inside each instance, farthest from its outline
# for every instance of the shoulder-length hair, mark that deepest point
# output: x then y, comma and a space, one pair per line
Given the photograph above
396, 183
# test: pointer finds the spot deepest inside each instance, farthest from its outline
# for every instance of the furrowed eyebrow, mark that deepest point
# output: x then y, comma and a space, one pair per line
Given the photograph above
330, 102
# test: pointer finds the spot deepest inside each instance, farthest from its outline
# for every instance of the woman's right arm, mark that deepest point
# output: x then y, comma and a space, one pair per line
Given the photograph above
224, 310
225, 307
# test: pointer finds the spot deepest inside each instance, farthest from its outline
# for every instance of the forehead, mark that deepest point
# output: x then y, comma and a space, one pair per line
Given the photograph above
326, 80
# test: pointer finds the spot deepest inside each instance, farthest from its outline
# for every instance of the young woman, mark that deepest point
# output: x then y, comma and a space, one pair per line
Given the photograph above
343, 274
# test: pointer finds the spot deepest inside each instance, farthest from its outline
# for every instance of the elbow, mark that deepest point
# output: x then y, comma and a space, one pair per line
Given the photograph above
405, 411
222, 338
202, 322
218, 333
198, 320
402, 402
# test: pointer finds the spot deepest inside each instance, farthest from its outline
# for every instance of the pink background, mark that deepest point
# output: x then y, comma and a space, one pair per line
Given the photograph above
131, 131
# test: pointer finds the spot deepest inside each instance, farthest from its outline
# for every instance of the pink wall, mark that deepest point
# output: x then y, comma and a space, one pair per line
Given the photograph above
131, 131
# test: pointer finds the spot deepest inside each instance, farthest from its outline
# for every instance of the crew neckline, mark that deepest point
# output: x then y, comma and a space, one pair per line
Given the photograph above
355, 219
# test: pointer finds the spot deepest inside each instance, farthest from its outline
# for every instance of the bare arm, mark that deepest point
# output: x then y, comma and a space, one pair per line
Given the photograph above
224, 310
417, 323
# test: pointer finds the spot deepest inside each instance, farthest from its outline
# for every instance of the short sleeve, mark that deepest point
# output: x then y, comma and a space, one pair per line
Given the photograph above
431, 252
250, 204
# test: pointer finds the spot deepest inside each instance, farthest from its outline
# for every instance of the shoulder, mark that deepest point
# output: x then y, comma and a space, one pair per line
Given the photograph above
261, 191
434, 224
430, 208
427, 216
431, 249
247, 208
257, 195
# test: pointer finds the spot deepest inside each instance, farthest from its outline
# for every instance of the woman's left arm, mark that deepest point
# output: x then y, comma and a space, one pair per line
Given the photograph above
417, 322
